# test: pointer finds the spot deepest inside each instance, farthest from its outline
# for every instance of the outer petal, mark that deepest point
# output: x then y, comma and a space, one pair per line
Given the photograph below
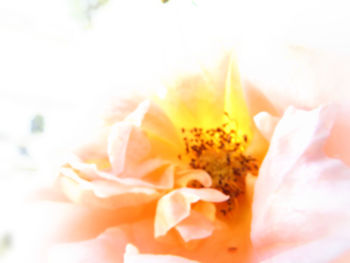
145, 134
40, 225
155, 121
103, 193
94, 147
338, 145
140, 149
226, 245
132, 255
126, 143
266, 124
106, 248
301, 195
304, 78
323, 250
116, 112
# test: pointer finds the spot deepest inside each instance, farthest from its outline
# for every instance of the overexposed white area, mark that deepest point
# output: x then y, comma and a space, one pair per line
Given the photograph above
49, 52
60, 60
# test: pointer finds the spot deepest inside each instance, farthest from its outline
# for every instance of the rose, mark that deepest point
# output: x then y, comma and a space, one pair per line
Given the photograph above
226, 239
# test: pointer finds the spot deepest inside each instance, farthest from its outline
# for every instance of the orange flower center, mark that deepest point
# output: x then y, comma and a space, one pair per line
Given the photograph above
220, 152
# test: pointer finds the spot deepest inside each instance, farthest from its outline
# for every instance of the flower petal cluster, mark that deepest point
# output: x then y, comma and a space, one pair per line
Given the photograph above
130, 195
135, 163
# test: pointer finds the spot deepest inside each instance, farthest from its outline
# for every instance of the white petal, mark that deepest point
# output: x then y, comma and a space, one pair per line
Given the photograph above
301, 195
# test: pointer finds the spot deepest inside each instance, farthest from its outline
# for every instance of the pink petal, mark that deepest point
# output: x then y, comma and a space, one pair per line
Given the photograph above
126, 143
176, 206
195, 226
86, 171
153, 172
303, 81
84, 183
109, 246
103, 193
324, 250
141, 144
106, 248
132, 256
338, 145
93, 147
226, 244
152, 119
155, 121
266, 124
116, 112
301, 195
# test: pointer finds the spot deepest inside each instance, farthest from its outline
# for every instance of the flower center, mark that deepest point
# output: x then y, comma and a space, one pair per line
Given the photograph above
220, 152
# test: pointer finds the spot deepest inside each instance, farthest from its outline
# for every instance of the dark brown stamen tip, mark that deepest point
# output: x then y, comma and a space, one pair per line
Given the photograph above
220, 152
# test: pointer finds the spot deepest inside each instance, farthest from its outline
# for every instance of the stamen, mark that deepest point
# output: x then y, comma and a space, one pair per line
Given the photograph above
220, 152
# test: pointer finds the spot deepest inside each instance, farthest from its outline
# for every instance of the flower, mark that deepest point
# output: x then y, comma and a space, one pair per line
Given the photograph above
183, 160
172, 180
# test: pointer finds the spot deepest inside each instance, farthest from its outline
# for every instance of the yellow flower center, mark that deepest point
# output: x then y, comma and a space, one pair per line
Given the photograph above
220, 152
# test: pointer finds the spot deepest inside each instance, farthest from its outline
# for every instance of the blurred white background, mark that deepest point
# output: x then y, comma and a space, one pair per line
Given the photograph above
60, 57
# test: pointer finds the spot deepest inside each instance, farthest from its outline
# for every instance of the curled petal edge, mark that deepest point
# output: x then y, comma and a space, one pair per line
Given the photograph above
175, 207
